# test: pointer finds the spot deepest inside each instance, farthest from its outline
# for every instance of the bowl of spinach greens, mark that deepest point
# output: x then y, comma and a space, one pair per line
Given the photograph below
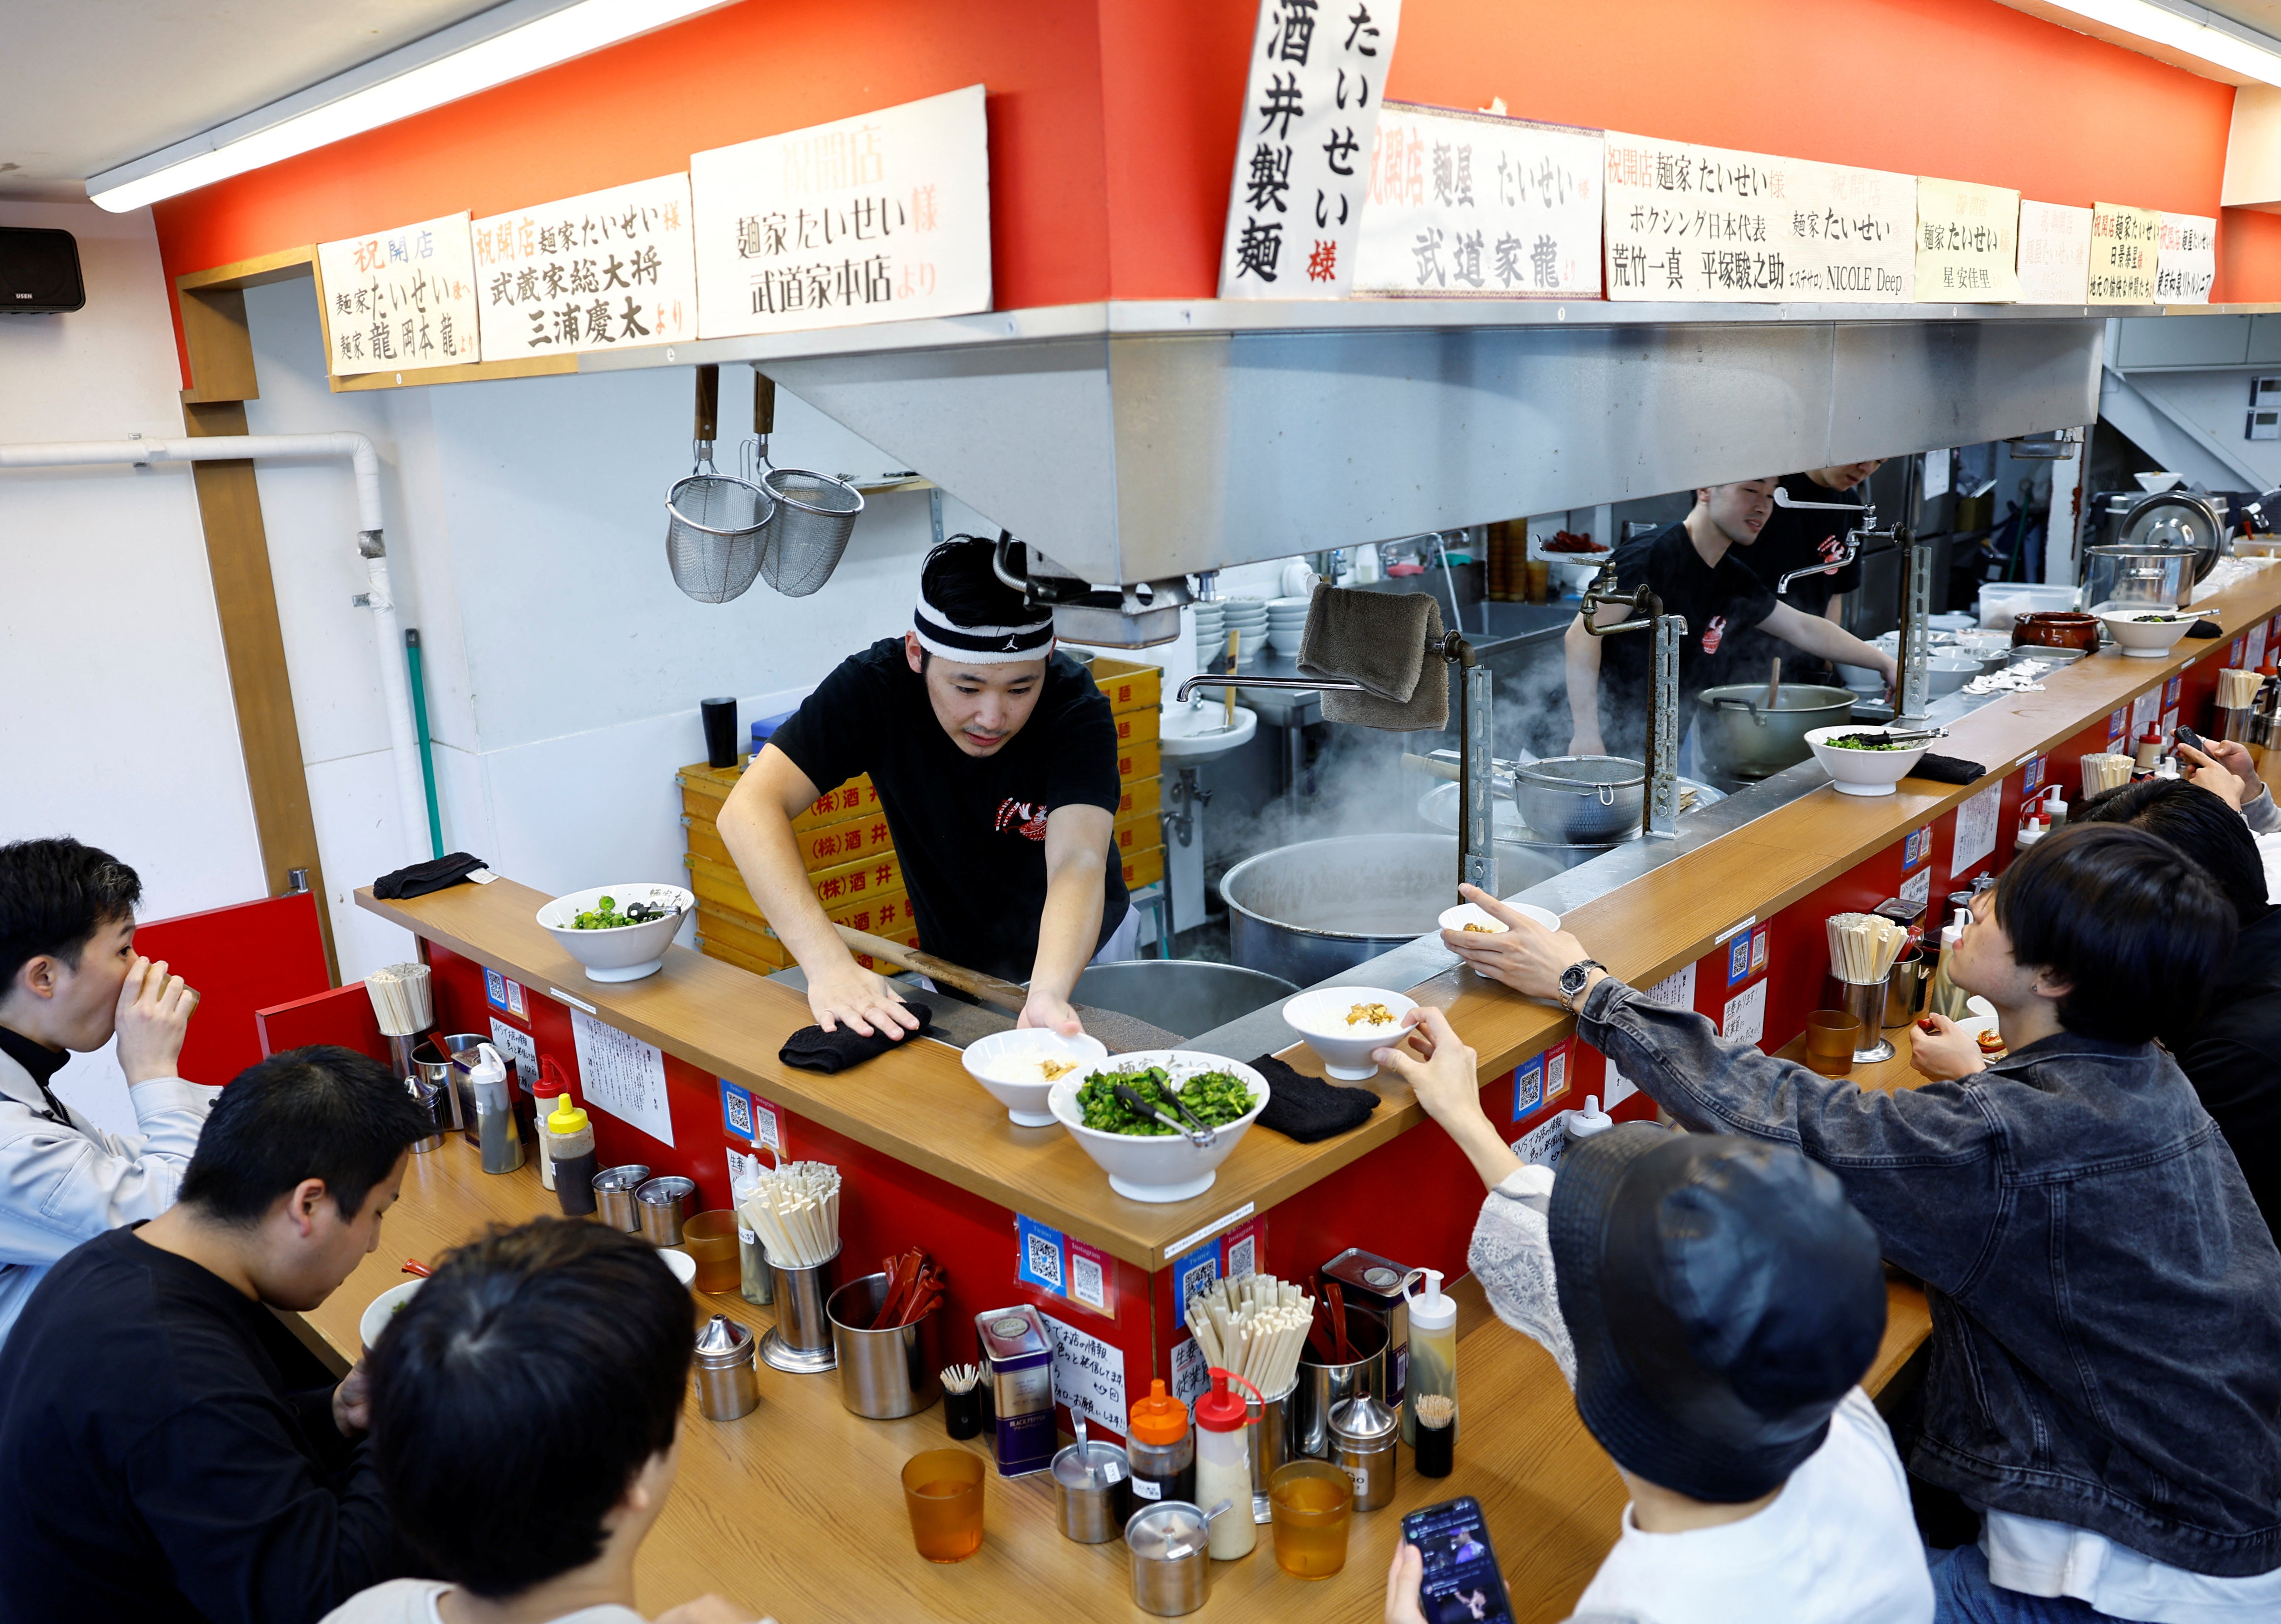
1145, 1159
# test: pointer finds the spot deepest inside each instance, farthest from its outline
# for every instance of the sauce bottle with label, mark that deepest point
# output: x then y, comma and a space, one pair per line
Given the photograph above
1223, 1467
1163, 1452
1433, 1350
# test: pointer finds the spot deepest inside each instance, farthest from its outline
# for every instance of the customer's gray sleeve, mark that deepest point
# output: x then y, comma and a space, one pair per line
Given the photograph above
2261, 815
1511, 1255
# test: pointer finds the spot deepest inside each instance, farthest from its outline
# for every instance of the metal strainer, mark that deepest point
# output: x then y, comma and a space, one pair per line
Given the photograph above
814, 513
717, 533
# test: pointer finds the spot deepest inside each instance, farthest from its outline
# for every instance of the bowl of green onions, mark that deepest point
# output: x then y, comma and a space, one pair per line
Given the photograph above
619, 932
1147, 1160
1864, 760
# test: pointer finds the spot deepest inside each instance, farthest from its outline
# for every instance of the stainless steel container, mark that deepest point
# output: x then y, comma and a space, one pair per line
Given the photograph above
1323, 1387
886, 1374
1582, 797
1906, 987
1017, 1363
1170, 1556
663, 1204
1376, 1282
1094, 1505
801, 1340
728, 1386
1735, 729
2234, 724
433, 1066
430, 1100
613, 1195
1187, 995
1363, 1434
1309, 910
1866, 1003
2138, 575
1267, 1432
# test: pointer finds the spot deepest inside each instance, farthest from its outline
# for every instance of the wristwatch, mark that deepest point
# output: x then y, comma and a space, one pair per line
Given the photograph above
1573, 981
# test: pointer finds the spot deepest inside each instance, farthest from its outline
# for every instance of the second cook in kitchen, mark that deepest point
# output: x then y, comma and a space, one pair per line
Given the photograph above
995, 760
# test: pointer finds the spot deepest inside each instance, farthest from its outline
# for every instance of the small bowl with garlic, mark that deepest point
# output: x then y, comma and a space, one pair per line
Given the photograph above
1472, 916
1343, 1025
1019, 1068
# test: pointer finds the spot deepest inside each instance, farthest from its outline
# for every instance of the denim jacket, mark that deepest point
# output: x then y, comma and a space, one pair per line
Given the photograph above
2106, 1298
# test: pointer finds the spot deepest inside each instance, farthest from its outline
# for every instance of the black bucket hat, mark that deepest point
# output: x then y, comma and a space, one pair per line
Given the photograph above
1722, 1294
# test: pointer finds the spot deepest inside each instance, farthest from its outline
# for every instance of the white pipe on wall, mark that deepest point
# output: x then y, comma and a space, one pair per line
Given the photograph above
396, 690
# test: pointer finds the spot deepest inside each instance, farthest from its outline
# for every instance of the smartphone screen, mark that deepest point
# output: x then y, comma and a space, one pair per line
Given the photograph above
1462, 1581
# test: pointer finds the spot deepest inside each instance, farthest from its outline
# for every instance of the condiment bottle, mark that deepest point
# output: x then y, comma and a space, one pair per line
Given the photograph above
2149, 748
1434, 1342
1583, 1124
1163, 1453
496, 1132
548, 1091
2056, 810
2030, 832
1223, 1467
1946, 997
565, 1139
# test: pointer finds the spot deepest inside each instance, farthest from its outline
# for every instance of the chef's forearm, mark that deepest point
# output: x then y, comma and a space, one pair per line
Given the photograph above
1069, 925
760, 838
1581, 654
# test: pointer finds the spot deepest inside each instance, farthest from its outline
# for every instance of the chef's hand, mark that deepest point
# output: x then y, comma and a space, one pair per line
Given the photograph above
1045, 1010
1889, 668
1524, 956
154, 1017
709, 1610
352, 1403
2227, 775
1943, 1053
870, 1005
1402, 1581
1447, 1081
1586, 743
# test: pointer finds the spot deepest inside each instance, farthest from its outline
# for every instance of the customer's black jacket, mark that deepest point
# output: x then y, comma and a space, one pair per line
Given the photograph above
2106, 1298
2232, 1056
159, 1462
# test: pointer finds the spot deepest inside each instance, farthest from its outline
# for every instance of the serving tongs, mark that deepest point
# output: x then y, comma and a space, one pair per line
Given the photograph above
1197, 1135
1912, 736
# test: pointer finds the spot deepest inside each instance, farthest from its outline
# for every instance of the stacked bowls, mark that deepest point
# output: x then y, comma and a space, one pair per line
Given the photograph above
1248, 616
1211, 632
1287, 619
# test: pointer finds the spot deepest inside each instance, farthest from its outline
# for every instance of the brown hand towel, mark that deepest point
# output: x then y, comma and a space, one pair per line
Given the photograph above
1378, 640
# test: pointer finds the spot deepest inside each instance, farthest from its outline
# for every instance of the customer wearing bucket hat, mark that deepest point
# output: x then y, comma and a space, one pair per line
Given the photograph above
1713, 1301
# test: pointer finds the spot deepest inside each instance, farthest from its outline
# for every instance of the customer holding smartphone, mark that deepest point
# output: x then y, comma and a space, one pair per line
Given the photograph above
1714, 1302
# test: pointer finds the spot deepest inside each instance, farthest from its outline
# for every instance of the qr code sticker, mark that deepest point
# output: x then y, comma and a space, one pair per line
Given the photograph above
1045, 1260
740, 1114
1243, 1258
1555, 1074
1197, 1281
1085, 1280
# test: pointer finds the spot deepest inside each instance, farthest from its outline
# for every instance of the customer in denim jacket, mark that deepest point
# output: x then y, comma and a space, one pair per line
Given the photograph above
2104, 1378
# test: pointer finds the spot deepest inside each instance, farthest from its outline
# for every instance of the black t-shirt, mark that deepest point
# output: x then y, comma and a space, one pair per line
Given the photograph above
1719, 605
1795, 537
970, 834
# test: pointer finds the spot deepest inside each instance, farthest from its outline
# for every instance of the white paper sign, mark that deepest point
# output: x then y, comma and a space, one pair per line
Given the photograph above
621, 1075
400, 298
1302, 150
1191, 1374
1089, 1376
2054, 253
1702, 223
2185, 265
882, 217
1975, 830
1968, 243
1745, 1018
589, 272
1469, 205
1674, 992
2125, 246
1935, 473
513, 1044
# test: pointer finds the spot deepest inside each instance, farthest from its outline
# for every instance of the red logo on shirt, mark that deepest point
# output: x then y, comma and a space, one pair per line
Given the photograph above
1833, 550
1028, 819
1713, 632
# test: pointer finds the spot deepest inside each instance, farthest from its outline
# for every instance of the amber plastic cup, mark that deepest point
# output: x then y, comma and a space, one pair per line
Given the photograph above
942, 1489
711, 1239
1312, 1504
1831, 1036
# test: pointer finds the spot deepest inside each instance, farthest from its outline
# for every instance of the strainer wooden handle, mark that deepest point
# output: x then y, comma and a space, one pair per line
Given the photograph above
764, 404
708, 403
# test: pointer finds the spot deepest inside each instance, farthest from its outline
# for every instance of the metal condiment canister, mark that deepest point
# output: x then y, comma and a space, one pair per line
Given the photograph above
1362, 1436
1017, 1363
728, 1386
613, 1192
1093, 1505
661, 1205
1171, 1553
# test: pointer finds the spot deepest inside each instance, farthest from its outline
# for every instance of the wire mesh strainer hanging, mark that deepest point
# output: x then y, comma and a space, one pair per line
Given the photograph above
814, 513
717, 532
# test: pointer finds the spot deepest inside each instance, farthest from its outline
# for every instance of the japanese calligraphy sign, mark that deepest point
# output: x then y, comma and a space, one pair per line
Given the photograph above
2124, 244
1302, 152
2054, 253
592, 272
399, 298
1968, 243
1702, 223
2186, 260
1471, 206
882, 217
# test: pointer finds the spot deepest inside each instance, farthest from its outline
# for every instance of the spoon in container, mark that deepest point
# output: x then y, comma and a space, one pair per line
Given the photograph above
1172, 1553
1084, 1450
1132, 1101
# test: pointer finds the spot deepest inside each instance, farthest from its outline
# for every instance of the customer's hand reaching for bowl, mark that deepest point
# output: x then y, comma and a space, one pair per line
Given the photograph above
1523, 956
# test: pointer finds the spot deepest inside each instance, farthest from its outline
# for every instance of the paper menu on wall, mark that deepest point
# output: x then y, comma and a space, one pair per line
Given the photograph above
1473, 205
1967, 243
2185, 263
399, 299
1674, 991
1089, 1375
1975, 830
1745, 1016
621, 1076
2125, 243
594, 271
2054, 253
882, 216
515, 1046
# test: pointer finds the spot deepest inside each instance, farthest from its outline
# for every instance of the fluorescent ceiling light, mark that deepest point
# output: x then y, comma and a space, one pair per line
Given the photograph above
379, 93
2190, 29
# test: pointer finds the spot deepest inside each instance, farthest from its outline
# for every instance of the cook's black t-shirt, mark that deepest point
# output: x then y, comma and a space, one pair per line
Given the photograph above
1719, 605
1796, 538
969, 834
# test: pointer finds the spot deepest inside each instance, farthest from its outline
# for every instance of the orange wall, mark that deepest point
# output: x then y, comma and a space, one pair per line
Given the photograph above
1113, 123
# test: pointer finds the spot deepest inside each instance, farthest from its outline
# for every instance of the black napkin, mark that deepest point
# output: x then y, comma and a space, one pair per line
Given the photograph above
1948, 770
1307, 1108
812, 1049
422, 878
2205, 628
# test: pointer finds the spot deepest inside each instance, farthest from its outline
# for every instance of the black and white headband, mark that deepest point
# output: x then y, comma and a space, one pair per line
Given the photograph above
979, 645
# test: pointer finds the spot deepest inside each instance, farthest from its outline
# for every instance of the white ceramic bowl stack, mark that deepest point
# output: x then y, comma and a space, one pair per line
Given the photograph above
1158, 1168
1007, 1065
1211, 631
1248, 616
1287, 619
1344, 1046
629, 951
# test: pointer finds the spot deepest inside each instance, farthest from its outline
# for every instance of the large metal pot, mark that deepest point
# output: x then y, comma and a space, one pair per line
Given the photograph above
2156, 577
2188, 518
1582, 797
1309, 910
1736, 731
1186, 996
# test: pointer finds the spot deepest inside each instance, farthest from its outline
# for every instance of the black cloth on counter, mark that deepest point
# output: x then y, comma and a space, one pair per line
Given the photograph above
812, 1049
174, 1456
420, 878
1795, 538
1720, 605
2232, 1056
1947, 769
2205, 628
1307, 1108
970, 833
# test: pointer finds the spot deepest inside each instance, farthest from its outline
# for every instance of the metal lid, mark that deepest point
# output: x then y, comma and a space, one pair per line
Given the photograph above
628, 1177
1153, 1529
1362, 1421
723, 1342
666, 1189
1109, 1467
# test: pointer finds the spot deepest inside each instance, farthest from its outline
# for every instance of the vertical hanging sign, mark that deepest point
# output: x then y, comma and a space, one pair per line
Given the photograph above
1968, 243
2186, 262
2054, 253
2124, 243
589, 272
1303, 148
882, 217
399, 299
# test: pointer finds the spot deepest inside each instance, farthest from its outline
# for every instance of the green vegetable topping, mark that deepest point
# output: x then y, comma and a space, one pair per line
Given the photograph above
1865, 741
605, 915
1213, 1097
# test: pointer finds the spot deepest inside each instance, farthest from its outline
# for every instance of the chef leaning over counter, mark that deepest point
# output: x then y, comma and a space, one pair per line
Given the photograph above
995, 760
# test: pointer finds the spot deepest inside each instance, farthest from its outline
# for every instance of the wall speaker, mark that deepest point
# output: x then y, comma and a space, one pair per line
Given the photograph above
39, 272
